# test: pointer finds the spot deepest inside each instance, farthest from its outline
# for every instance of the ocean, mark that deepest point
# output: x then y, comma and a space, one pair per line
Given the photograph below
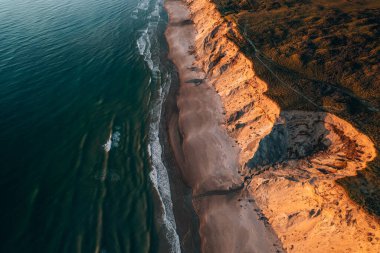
82, 85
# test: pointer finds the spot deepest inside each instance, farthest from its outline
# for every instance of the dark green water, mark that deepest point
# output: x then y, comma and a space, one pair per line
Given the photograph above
76, 96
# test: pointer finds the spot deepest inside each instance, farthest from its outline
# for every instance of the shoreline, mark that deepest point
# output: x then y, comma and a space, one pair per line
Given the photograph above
186, 219
184, 216
262, 178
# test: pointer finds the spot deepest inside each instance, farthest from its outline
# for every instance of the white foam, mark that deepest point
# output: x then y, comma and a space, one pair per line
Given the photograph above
144, 46
158, 175
107, 145
115, 139
112, 142
143, 5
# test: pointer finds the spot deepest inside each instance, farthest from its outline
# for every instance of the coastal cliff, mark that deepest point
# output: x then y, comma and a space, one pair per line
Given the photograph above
258, 173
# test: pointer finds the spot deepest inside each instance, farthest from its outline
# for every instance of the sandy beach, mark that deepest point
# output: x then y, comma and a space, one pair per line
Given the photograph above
210, 157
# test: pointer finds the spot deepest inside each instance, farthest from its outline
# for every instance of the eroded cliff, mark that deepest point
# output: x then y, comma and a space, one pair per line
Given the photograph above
282, 165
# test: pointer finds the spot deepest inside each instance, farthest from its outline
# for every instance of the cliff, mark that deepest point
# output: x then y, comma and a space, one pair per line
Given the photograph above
252, 166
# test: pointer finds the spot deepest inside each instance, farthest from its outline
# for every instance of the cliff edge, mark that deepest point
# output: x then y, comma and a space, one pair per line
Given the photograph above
253, 167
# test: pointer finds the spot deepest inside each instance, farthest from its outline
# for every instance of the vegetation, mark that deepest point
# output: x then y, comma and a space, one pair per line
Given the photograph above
333, 42
319, 55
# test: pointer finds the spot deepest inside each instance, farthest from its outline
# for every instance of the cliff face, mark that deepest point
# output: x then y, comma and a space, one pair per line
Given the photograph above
289, 161
249, 114
298, 192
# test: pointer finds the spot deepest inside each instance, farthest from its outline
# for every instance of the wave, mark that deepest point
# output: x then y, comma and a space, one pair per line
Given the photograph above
112, 141
148, 47
143, 5
108, 144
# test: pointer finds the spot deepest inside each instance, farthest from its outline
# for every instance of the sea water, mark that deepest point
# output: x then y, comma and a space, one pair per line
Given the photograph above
81, 90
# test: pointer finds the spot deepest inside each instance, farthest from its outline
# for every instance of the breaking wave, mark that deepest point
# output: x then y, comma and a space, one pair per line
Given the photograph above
148, 46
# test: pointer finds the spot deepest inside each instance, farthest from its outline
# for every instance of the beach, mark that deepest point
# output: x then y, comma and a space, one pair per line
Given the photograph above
208, 157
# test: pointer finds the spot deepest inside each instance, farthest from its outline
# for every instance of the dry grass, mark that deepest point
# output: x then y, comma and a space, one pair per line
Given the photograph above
332, 42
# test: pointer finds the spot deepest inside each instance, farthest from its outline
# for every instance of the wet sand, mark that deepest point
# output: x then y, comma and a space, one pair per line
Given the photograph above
229, 221
186, 219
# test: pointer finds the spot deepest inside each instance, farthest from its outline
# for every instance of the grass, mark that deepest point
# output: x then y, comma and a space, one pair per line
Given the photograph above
327, 56
331, 42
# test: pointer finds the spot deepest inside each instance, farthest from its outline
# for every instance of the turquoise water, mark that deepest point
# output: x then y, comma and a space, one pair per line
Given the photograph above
77, 92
